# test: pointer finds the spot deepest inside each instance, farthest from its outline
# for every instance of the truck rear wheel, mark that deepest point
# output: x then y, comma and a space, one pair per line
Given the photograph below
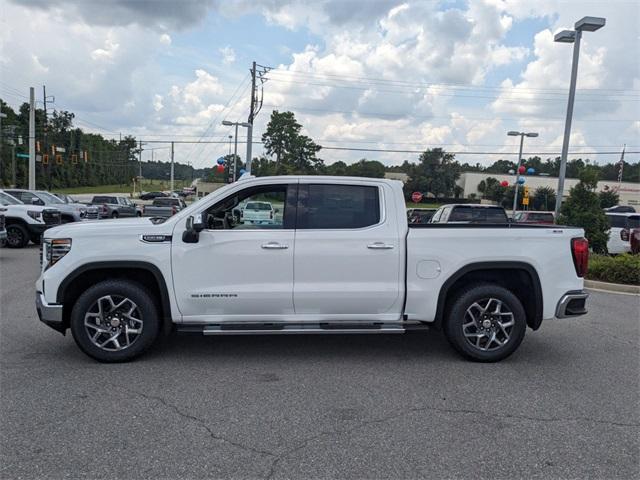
17, 236
115, 321
486, 323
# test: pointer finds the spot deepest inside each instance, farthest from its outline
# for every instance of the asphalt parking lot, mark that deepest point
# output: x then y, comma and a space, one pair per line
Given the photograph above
566, 405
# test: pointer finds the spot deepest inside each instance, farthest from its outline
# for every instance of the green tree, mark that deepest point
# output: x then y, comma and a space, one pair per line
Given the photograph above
294, 153
544, 198
366, 168
608, 197
582, 209
436, 173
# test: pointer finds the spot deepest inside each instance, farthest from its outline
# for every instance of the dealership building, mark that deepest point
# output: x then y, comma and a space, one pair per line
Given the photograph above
629, 192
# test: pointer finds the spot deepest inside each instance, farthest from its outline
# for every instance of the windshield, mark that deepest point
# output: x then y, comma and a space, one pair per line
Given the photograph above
633, 222
8, 200
47, 197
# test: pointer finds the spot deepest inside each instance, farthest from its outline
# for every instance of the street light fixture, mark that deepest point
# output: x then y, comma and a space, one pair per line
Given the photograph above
227, 123
513, 133
585, 24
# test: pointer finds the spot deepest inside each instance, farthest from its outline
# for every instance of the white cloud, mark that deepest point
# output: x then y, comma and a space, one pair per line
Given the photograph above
165, 39
228, 55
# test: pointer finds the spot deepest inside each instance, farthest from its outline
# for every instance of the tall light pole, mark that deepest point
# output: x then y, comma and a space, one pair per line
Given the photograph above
517, 183
586, 24
227, 123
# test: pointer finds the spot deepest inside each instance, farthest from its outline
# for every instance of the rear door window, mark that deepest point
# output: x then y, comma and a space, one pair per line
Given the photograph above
617, 221
325, 206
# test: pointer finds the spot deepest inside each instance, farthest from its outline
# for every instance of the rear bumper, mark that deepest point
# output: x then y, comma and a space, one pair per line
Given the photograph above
49, 314
572, 304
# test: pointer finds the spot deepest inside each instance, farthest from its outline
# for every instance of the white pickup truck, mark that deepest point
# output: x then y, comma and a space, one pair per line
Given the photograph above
341, 258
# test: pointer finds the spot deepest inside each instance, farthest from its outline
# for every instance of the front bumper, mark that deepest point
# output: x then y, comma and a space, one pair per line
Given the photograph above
50, 314
572, 304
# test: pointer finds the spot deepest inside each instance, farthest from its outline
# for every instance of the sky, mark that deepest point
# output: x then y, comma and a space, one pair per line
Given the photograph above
358, 74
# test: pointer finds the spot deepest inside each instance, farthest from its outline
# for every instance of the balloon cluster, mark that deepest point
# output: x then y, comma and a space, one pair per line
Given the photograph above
220, 167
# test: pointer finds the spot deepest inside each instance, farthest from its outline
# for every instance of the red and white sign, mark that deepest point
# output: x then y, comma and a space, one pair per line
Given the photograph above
416, 197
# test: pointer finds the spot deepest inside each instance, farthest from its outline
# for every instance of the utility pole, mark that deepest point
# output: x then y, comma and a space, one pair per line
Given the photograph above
2, 115
140, 159
32, 139
171, 167
45, 147
251, 116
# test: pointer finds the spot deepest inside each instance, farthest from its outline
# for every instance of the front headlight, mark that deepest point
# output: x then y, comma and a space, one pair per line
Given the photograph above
55, 249
35, 215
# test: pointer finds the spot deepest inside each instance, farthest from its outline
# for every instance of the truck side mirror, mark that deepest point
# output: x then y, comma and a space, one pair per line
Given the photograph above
36, 201
193, 227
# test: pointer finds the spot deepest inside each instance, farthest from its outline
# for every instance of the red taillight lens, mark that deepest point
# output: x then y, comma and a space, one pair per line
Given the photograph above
580, 253
173, 210
104, 209
624, 235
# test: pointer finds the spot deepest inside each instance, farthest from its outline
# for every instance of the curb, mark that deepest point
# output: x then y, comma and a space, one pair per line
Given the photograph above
612, 287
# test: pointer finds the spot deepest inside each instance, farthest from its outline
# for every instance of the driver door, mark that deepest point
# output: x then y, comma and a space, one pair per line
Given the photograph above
238, 271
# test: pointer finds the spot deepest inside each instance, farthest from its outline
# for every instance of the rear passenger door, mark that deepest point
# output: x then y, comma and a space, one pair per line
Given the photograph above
347, 260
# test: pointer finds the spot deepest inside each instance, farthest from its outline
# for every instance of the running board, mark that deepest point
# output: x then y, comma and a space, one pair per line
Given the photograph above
300, 328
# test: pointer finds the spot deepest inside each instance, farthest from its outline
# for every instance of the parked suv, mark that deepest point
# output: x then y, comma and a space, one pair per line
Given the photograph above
531, 216
70, 212
152, 195
620, 232
114, 207
26, 222
470, 213
257, 212
3, 230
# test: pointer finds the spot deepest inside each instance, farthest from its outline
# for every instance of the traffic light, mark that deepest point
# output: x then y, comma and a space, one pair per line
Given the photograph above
74, 158
58, 159
45, 159
37, 146
526, 191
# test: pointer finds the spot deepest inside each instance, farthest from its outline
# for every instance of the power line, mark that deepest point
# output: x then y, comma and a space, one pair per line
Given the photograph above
373, 80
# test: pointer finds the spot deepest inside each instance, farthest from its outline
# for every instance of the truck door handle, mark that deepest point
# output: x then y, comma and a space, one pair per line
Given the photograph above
379, 246
274, 246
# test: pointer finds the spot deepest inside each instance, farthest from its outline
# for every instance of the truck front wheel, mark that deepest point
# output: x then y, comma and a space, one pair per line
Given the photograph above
17, 236
115, 321
486, 323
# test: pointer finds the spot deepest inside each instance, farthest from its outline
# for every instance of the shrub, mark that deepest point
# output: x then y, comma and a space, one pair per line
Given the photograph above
619, 269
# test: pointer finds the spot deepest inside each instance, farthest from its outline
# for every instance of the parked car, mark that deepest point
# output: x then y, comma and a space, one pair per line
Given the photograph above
70, 212
257, 212
3, 229
420, 215
152, 195
620, 209
115, 206
634, 240
359, 268
92, 212
470, 213
532, 216
163, 207
26, 223
620, 232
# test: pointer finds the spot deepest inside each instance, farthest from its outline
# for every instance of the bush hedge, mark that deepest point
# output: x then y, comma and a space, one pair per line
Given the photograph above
619, 269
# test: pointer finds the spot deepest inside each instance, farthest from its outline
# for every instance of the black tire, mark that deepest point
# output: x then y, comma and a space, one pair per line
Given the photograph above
458, 315
17, 236
114, 215
36, 239
147, 312
138, 214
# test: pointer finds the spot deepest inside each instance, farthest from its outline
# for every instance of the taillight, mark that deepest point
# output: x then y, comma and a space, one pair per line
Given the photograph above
143, 209
580, 253
624, 235
271, 215
105, 209
173, 210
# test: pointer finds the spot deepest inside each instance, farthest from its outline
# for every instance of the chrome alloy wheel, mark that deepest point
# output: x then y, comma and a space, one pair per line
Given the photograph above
488, 324
113, 323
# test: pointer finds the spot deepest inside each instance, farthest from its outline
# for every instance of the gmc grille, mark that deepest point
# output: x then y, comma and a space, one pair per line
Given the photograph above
51, 217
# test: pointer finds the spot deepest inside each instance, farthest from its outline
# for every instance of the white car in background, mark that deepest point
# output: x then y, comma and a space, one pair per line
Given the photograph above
620, 232
257, 212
